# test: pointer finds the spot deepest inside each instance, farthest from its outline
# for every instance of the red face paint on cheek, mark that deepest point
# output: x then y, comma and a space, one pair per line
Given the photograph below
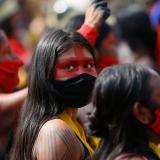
86, 59
64, 69
74, 63
66, 65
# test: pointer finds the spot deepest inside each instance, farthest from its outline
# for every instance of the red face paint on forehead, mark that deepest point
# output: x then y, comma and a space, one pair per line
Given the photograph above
79, 52
74, 62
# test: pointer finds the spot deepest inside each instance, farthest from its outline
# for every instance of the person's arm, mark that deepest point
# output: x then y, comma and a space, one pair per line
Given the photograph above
12, 101
56, 141
89, 33
95, 16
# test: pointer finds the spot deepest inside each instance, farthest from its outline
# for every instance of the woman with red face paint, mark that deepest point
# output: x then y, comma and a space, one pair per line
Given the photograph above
61, 81
126, 115
9, 102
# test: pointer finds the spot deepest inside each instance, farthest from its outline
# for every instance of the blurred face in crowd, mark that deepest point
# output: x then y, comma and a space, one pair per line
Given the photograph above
155, 103
109, 44
150, 113
9, 66
4, 44
155, 86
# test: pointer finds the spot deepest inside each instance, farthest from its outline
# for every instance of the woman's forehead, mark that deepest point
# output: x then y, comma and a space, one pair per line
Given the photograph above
76, 51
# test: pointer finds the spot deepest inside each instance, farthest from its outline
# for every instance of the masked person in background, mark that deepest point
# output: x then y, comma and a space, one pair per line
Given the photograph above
9, 66
9, 102
126, 115
105, 46
61, 81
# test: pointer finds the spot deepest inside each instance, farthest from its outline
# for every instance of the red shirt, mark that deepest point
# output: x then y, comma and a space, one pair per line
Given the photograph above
89, 33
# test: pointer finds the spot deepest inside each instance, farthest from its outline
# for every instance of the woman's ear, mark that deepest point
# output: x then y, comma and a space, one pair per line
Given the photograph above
141, 113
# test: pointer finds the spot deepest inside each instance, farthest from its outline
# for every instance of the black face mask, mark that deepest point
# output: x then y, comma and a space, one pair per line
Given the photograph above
75, 92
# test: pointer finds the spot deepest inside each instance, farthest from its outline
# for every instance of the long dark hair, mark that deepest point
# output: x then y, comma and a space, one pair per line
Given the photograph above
41, 104
116, 91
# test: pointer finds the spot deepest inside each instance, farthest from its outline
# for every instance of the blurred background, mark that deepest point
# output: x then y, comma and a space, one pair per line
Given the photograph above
24, 21
31, 16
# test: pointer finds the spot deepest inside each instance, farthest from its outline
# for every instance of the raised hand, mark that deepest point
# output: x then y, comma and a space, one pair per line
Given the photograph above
97, 13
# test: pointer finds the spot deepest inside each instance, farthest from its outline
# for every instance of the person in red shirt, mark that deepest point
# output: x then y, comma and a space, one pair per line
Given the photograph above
9, 102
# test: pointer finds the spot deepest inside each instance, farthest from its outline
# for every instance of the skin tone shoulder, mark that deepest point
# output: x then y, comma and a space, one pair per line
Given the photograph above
56, 140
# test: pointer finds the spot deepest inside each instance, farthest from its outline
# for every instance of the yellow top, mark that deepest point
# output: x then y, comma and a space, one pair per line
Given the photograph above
96, 141
81, 135
155, 148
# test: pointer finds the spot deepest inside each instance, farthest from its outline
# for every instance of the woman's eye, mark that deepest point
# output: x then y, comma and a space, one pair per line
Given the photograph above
69, 67
88, 65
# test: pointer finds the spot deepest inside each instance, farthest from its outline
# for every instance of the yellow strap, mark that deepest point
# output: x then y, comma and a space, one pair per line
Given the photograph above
64, 116
155, 148
96, 141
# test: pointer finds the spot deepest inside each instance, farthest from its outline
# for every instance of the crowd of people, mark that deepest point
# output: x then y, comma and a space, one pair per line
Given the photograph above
89, 91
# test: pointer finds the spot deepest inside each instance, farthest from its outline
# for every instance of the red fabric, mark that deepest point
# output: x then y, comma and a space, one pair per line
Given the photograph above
9, 75
89, 33
19, 50
105, 61
158, 46
156, 124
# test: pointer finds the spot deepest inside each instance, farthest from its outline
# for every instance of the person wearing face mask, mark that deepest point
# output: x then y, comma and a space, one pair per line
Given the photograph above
9, 65
62, 76
126, 113
105, 47
61, 80
9, 78
9, 102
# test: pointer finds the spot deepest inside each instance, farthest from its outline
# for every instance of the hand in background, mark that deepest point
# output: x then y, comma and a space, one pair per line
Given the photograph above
97, 13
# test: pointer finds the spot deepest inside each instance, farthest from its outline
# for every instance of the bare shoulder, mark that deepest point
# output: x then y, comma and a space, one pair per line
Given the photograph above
58, 129
56, 140
54, 124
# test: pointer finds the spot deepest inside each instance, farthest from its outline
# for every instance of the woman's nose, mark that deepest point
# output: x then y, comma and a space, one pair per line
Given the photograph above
81, 70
